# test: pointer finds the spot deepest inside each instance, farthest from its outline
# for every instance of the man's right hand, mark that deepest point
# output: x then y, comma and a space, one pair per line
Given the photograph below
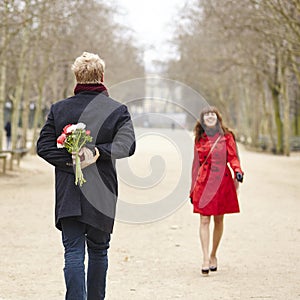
87, 157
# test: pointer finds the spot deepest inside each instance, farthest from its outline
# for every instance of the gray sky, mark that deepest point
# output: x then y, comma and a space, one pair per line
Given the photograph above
152, 22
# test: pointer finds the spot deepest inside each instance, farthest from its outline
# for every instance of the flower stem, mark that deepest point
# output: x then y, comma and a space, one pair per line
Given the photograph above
78, 172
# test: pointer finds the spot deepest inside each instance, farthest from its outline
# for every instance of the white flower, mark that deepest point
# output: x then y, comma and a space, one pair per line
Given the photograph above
71, 128
59, 145
80, 126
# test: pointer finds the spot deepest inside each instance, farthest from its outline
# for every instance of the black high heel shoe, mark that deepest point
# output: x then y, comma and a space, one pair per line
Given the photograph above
205, 268
214, 268
205, 271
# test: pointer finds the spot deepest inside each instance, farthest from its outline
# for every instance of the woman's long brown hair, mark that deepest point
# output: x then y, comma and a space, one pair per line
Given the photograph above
200, 128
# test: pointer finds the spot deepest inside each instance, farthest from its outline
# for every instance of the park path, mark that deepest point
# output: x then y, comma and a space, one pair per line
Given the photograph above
259, 252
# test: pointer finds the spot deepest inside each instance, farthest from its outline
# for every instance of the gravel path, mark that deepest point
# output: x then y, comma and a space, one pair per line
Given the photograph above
258, 258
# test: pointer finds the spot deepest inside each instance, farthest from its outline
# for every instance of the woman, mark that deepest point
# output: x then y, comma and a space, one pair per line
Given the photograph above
213, 191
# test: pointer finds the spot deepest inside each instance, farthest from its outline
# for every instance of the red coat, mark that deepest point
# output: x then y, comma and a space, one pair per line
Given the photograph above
213, 191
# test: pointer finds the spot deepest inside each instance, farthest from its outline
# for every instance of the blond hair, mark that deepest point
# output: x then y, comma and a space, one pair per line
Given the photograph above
88, 68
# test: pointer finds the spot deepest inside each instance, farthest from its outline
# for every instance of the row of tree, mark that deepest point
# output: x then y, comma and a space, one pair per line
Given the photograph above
244, 57
39, 40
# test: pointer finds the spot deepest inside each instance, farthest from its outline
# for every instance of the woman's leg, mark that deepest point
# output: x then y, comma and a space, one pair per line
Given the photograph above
217, 235
204, 238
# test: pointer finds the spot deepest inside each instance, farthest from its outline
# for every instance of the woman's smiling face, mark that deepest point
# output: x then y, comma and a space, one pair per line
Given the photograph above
210, 119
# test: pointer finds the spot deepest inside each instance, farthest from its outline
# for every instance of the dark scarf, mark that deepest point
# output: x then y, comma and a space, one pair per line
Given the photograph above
90, 87
211, 131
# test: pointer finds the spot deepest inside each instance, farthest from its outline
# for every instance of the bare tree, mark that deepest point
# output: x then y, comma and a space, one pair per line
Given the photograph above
238, 50
39, 42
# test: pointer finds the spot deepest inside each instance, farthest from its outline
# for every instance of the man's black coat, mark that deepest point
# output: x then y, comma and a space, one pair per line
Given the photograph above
112, 131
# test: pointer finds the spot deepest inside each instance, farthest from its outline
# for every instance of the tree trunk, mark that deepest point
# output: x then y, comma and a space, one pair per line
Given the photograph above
286, 118
278, 121
256, 115
275, 87
3, 77
20, 82
26, 103
249, 119
296, 130
37, 117
25, 113
2, 99
267, 112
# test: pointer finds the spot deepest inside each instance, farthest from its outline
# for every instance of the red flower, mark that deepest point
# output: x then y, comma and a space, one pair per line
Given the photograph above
61, 139
88, 132
65, 129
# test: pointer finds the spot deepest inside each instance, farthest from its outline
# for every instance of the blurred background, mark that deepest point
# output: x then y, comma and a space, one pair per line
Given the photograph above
241, 56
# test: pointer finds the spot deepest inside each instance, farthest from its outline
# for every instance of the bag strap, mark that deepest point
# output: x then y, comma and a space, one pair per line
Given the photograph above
211, 149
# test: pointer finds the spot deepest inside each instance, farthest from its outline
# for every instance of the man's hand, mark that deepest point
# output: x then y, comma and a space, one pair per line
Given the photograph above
87, 157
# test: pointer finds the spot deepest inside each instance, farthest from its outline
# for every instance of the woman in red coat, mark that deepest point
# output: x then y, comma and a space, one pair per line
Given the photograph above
213, 191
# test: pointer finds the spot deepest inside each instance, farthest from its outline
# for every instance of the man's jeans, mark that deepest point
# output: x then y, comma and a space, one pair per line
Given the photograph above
74, 236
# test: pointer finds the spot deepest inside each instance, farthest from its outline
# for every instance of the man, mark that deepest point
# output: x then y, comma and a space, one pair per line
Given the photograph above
85, 215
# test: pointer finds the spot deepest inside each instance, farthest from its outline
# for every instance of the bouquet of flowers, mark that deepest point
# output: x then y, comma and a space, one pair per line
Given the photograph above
73, 138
